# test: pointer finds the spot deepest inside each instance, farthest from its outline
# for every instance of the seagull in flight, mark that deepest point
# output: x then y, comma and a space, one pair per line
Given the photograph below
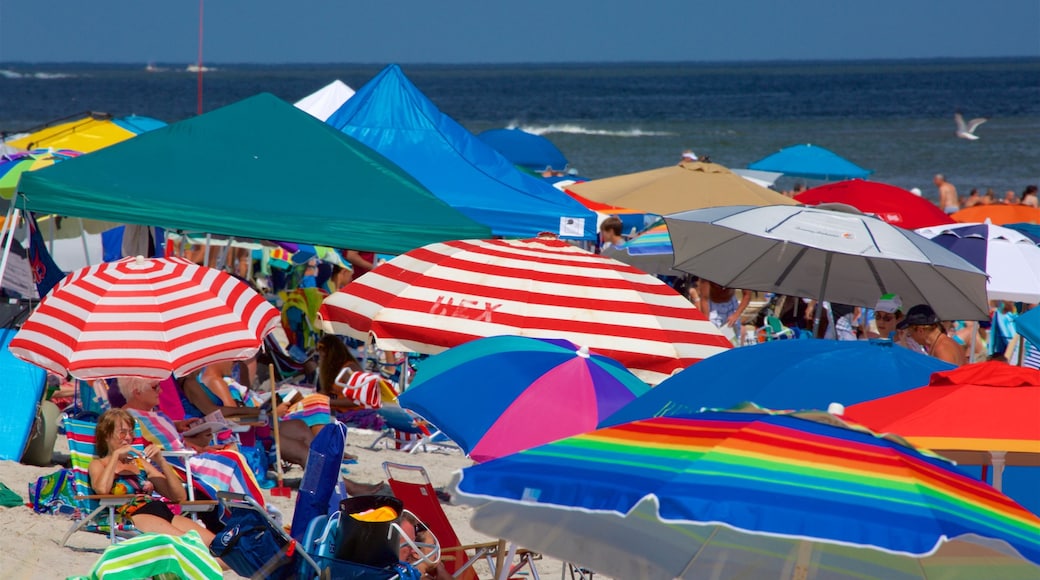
967, 130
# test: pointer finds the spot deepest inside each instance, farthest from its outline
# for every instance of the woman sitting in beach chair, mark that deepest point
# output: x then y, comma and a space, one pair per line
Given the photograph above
121, 470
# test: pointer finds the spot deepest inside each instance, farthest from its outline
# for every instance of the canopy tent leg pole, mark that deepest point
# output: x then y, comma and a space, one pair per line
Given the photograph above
997, 458
83, 238
205, 256
51, 227
8, 230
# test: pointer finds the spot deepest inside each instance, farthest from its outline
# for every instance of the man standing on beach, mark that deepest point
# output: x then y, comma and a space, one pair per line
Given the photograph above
947, 195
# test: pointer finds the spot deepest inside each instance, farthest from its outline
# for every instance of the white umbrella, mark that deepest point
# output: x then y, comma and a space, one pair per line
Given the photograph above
840, 257
1010, 259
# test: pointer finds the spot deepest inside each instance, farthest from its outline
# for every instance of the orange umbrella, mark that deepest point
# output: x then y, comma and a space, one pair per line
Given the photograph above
998, 214
976, 414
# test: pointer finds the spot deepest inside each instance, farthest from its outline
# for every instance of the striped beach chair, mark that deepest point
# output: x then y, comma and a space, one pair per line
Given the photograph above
157, 556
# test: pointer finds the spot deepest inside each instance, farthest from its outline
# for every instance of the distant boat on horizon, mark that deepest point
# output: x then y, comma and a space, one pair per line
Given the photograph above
195, 68
152, 68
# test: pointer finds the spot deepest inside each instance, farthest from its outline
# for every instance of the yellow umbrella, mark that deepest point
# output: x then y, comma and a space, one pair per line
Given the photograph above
689, 185
85, 135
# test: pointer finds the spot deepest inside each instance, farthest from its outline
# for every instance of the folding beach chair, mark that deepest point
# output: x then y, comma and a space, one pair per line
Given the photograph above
409, 431
416, 491
101, 508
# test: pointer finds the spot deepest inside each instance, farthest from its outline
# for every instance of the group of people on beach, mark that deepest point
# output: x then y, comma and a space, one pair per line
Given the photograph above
950, 202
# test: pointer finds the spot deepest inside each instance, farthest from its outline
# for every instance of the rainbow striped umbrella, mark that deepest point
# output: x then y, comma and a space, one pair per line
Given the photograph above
519, 392
13, 166
749, 495
650, 251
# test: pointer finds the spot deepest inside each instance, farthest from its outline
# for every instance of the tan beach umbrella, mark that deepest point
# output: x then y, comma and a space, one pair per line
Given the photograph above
689, 185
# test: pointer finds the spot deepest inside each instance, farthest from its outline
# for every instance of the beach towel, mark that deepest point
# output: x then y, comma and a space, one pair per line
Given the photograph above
156, 555
313, 410
366, 389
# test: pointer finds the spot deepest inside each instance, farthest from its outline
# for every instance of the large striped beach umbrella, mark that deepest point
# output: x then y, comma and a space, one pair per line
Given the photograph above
444, 294
145, 318
750, 495
13, 166
156, 556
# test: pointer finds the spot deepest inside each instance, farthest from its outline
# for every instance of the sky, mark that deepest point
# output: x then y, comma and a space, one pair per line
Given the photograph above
495, 31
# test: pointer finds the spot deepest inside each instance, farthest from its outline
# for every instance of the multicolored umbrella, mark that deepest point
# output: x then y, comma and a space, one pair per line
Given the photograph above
444, 294
747, 495
88, 133
788, 374
145, 318
1010, 260
13, 166
495, 396
650, 251
979, 414
888, 203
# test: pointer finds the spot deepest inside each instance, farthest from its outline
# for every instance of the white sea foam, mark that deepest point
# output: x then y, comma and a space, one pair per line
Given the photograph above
10, 74
579, 130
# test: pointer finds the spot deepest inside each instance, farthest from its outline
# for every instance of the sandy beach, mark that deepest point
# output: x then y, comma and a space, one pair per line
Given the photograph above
31, 547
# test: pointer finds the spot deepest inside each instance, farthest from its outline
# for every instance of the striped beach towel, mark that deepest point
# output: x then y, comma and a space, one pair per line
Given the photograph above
313, 410
156, 555
366, 389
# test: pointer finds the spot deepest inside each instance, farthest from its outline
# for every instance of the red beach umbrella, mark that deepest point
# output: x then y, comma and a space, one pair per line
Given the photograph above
968, 414
444, 294
145, 318
889, 203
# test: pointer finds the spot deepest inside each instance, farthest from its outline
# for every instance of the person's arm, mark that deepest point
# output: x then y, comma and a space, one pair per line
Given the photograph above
102, 474
355, 259
704, 291
745, 299
162, 474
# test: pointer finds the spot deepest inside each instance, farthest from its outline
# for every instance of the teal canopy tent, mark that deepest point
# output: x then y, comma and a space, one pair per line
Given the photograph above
259, 168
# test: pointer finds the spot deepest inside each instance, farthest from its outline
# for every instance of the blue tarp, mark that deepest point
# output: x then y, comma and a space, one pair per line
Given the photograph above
391, 115
811, 162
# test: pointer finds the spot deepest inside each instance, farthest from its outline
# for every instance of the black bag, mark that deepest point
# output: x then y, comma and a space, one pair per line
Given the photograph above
374, 544
248, 544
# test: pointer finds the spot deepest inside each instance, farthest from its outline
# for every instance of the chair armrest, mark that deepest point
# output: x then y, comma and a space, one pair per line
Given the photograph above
185, 453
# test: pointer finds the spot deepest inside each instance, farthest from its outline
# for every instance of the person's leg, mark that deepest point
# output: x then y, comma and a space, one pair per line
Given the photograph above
185, 525
155, 524
295, 441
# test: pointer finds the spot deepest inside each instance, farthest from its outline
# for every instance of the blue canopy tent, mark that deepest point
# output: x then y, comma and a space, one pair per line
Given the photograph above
811, 162
390, 115
525, 149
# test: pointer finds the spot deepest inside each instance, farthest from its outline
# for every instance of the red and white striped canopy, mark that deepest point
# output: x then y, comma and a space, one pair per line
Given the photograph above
444, 294
145, 318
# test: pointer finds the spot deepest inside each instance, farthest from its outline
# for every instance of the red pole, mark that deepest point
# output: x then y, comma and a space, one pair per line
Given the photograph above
199, 65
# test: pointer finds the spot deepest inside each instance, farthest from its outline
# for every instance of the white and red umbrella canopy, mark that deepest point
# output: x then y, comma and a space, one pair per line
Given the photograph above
445, 294
145, 318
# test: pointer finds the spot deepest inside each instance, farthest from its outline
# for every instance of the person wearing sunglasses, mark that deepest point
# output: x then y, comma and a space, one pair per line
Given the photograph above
888, 312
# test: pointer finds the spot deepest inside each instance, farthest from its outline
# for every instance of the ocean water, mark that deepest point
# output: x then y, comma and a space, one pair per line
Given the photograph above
895, 117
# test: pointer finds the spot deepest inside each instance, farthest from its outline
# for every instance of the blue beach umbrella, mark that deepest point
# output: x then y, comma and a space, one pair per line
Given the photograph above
1031, 231
524, 149
812, 162
787, 374
497, 395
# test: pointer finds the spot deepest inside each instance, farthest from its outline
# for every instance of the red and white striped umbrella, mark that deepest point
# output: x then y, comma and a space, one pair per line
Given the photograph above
444, 294
145, 318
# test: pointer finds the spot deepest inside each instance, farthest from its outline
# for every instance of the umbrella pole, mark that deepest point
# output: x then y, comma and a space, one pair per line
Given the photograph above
82, 237
280, 489
823, 289
974, 333
997, 459
8, 230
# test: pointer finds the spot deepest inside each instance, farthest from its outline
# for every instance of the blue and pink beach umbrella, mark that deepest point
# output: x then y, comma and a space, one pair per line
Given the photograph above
497, 395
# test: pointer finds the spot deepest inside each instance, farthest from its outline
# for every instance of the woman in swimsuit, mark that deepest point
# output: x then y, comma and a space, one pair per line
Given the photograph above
122, 470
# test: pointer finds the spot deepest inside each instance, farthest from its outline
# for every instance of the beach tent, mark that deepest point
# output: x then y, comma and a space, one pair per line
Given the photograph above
259, 168
324, 102
87, 133
393, 117
527, 150
811, 162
